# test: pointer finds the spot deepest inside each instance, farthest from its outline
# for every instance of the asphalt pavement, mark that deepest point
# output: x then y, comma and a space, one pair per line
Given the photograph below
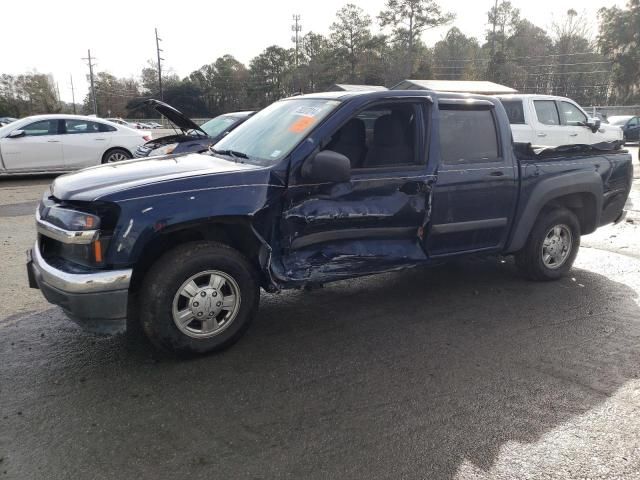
465, 371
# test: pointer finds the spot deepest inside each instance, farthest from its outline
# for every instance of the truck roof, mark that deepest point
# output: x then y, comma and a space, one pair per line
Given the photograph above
374, 95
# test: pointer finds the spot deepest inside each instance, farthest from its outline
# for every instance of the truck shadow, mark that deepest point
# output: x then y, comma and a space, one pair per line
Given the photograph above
403, 375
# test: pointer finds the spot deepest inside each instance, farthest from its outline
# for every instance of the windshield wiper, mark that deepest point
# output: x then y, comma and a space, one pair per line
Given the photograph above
231, 153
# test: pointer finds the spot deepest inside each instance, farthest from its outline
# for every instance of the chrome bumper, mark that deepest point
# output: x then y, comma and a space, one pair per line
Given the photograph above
97, 301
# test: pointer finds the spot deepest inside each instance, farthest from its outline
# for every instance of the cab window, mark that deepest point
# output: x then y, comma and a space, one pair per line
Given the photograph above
515, 111
380, 136
572, 115
547, 112
468, 136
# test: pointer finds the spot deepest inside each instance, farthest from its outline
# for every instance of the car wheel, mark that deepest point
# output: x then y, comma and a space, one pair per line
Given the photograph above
116, 155
552, 245
198, 298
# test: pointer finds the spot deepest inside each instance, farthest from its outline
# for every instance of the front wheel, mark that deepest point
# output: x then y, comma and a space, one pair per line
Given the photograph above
198, 298
552, 245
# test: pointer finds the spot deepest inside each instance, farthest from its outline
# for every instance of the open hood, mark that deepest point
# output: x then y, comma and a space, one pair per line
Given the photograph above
176, 117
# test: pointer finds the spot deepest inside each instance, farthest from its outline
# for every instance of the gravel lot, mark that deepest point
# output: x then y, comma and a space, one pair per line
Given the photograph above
463, 372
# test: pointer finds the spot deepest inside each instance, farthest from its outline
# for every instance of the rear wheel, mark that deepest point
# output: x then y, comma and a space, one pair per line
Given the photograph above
198, 298
116, 155
552, 245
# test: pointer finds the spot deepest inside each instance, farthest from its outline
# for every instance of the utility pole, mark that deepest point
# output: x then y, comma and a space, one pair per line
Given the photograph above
158, 50
73, 95
93, 88
296, 28
58, 91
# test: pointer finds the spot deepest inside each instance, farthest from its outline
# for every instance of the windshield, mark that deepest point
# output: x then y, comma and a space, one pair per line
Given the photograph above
216, 126
619, 120
272, 133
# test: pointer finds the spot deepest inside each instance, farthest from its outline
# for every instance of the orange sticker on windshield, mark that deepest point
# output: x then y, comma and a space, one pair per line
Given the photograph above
301, 124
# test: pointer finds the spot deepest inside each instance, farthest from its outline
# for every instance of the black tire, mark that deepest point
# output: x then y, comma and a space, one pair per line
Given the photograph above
168, 276
115, 155
530, 258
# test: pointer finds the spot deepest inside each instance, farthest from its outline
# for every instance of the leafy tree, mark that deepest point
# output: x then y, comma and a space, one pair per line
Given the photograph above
112, 95
270, 76
455, 55
576, 75
351, 36
149, 79
28, 94
502, 18
409, 19
530, 47
619, 40
223, 83
317, 63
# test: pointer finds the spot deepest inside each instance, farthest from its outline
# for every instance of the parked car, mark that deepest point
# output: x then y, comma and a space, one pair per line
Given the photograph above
629, 124
59, 143
192, 137
548, 120
6, 121
303, 194
154, 124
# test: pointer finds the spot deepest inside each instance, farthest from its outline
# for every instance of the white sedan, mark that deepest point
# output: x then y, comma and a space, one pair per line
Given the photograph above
60, 143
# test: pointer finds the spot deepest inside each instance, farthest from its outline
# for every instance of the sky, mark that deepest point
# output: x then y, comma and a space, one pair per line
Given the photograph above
52, 37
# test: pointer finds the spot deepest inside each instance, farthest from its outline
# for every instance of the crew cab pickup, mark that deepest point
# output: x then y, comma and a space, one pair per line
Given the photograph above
548, 120
312, 189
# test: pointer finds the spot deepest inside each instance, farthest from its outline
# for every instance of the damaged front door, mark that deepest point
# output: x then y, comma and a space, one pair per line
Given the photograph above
371, 222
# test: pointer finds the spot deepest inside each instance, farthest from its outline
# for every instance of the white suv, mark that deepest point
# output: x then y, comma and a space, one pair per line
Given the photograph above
548, 120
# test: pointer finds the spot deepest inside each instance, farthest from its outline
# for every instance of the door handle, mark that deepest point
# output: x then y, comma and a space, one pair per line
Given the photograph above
497, 173
97, 139
53, 141
542, 134
573, 134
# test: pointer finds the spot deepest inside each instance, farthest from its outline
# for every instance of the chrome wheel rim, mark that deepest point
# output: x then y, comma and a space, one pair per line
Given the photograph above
556, 246
117, 157
206, 304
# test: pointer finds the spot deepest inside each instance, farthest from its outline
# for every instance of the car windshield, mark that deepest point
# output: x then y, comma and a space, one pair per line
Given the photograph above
619, 120
216, 126
272, 133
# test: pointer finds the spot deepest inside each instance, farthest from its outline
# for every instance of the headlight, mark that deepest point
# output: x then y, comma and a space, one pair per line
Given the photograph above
164, 150
72, 219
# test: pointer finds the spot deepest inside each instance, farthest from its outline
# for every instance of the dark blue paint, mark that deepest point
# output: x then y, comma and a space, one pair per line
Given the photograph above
172, 193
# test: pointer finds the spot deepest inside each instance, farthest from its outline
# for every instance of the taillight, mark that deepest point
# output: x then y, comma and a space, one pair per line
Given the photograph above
146, 138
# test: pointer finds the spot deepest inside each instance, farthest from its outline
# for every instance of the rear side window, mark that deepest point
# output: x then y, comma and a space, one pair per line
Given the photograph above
515, 111
103, 127
468, 136
547, 112
633, 122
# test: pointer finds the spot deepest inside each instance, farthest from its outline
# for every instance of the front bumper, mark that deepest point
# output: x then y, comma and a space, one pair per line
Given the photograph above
97, 301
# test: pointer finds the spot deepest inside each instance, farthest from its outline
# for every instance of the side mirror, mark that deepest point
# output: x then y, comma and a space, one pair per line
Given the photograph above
327, 166
593, 124
16, 134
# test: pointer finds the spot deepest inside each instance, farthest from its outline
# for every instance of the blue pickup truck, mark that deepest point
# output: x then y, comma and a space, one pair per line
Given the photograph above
313, 189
